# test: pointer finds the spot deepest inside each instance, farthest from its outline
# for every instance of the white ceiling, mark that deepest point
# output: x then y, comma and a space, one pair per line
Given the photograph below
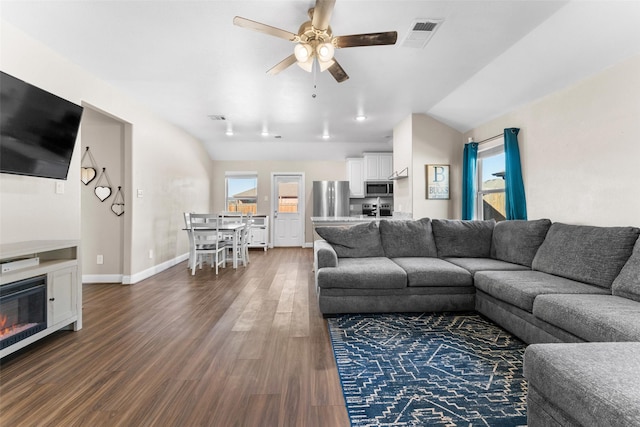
186, 60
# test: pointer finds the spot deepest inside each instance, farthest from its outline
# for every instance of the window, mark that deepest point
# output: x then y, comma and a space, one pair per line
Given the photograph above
242, 192
491, 184
288, 197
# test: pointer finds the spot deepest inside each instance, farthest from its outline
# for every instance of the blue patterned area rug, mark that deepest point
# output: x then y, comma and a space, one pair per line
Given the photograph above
437, 369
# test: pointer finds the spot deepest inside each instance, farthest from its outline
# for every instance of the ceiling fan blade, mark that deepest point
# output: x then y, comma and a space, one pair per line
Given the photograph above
264, 28
286, 62
337, 72
322, 14
372, 39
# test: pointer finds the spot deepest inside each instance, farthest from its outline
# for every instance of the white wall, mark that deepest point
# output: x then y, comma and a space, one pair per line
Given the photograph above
402, 158
170, 166
420, 140
102, 231
580, 149
435, 143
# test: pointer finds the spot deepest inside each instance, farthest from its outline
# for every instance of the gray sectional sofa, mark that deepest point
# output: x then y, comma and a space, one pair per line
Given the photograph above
552, 285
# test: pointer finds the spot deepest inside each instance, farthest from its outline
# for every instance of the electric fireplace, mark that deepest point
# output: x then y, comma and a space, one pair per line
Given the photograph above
23, 309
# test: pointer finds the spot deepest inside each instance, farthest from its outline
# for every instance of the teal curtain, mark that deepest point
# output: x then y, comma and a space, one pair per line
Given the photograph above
469, 165
516, 204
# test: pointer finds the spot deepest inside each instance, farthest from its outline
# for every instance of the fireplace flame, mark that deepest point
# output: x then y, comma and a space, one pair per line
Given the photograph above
13, 329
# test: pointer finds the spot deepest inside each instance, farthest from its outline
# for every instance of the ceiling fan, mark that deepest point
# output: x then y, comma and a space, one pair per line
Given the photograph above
315, 41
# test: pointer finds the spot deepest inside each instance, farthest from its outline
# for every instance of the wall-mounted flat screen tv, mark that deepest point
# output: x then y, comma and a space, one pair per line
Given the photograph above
38, 130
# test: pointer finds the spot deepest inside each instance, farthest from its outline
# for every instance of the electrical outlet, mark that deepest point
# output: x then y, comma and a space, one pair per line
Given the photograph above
59, 187
150, 253
99, 259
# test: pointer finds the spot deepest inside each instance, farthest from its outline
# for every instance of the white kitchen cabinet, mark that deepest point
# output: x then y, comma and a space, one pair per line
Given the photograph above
355, 172
378, 166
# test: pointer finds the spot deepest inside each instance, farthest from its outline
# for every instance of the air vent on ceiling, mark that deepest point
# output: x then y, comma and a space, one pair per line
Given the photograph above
420, 32
217, 117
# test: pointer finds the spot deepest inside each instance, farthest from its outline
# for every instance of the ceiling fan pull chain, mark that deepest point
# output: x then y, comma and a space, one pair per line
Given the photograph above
315, 78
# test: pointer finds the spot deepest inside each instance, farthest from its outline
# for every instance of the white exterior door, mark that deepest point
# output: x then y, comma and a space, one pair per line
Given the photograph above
288, 209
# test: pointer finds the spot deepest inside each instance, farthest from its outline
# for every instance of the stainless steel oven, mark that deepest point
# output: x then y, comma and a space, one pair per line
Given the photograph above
378, 188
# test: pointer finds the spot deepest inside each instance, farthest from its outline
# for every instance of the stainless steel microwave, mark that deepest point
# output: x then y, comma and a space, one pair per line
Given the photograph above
378, 188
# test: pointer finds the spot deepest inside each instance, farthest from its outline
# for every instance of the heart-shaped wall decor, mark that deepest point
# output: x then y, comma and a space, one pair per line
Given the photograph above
117, 208
103, 193
87, 175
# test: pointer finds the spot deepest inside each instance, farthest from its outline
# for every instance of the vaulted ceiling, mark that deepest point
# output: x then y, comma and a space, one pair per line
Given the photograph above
187, 62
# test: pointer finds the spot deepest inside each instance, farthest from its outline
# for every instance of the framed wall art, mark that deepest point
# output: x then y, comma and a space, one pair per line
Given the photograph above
437, 182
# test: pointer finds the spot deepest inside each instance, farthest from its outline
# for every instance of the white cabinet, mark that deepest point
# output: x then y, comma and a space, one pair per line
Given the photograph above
259, 232
378, 166
62, 295
355, 172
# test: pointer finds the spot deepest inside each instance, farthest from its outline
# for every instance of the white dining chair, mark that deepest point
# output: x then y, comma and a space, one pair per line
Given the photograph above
207, 243
242, 246
187, 227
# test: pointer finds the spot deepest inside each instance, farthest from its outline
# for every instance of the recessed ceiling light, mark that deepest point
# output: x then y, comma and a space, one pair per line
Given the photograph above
229, 133
361, 118
326, 136
264, 133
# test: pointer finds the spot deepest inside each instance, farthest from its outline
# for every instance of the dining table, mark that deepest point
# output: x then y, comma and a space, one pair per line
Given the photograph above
231, 229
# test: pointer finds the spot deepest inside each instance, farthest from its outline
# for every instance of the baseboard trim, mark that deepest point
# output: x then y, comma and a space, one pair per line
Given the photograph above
102, 278
145, 274
134, 278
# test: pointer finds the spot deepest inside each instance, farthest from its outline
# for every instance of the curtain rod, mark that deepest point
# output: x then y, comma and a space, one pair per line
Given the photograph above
490, 138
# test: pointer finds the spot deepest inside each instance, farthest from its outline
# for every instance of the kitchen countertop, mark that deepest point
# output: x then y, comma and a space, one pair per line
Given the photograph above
354, 219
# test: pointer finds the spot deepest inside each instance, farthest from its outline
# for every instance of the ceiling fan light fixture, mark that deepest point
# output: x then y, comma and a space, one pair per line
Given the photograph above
303, 52
325, 52
307, 65
325, 64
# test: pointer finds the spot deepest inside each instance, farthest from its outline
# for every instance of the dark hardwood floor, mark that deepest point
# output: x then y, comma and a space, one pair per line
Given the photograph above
246, 348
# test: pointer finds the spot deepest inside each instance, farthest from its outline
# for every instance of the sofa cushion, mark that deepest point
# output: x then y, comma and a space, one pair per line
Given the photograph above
627, 283
358, 241
591, 317
407, 238
424, 271
517, 241
595, 384
470, 239
363, 273
589, 254
474, 265
520, 288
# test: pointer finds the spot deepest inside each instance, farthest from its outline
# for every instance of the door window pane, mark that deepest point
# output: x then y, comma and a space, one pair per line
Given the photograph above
242, 194
288, 197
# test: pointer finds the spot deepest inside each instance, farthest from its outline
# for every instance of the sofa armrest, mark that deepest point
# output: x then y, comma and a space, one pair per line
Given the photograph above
324, 254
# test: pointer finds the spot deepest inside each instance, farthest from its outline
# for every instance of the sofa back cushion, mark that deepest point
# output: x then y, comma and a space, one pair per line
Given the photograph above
517, 241
469, 239
627, 284
407, 238
589, 254
358, 241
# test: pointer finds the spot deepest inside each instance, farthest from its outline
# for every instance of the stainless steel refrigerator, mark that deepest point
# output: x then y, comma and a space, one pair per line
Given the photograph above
330, 198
